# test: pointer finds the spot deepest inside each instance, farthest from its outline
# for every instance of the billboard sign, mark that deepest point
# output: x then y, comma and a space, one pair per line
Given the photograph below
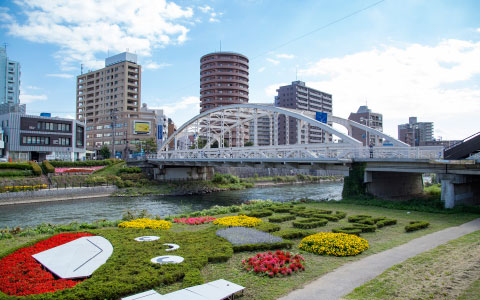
159, 132
321, 117
141, 127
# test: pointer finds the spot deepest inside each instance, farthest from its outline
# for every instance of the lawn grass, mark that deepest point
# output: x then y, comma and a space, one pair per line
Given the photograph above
110, 170
266, 288
446, 272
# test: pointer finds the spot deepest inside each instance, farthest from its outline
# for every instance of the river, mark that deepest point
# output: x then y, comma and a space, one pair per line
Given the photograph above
111, 208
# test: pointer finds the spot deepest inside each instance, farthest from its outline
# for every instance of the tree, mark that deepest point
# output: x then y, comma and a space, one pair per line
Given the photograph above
105, 152
148, 145
248, 144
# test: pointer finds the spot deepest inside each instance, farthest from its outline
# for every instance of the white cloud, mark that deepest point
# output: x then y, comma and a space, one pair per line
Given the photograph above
60, 75
28, 98
211, 12
434, 83
285, 56
478, 29
271, 90
85, 28
273, 61
205, 8
180, 111
154, 66
260, 70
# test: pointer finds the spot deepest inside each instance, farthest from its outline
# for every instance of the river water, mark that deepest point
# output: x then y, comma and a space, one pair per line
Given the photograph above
111, 208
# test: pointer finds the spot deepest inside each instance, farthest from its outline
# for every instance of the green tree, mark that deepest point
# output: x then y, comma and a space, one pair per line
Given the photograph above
248, 144
148, 145
105, 152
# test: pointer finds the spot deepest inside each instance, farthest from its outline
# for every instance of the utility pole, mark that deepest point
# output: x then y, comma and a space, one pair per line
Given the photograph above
114, 125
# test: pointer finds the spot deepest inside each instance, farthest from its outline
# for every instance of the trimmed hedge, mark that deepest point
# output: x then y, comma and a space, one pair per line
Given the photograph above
416, 225
332, 218
386, 222
48, 167
263, 246
293, 233
280, 219
14, 173
364, 227
259, 213
36, 168
309, 223
267, 227
282, 208
192, 277
86, 163
347, 230
20, 166
130, 170
340, 214
357, 218
308, 213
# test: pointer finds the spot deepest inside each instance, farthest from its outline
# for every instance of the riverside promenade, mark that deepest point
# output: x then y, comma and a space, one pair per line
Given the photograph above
344, 280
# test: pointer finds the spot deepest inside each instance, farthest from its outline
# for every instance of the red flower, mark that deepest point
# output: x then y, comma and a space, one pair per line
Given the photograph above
194, 221
21, 274
273, 264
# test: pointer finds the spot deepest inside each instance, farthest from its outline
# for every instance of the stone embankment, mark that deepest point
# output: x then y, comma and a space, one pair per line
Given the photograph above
60, 194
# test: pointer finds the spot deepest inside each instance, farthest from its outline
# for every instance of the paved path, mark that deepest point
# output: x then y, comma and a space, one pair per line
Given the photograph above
343, 280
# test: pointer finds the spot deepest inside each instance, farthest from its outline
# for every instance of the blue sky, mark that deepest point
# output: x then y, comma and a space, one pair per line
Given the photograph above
405, 58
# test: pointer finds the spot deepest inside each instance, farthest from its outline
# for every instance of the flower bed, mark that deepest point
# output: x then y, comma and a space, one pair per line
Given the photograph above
22, 188
194, 221
242, 221
274, 264
146, 223
337, 244
77, 170
21, 274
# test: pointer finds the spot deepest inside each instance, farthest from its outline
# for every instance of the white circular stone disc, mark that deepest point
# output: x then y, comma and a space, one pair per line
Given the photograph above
167, 259
172, 247
147, 238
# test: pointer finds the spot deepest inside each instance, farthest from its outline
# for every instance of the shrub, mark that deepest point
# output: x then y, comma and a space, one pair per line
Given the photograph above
292, 233
307, 213
130, 170
337, 244
364, 227
268, 227
259, 213
14, 173
131, 176
309, 223
273, 264
280, 219
146, 223
386, 222
192, 277
36, 168
416, 225
333, 218
242, 220
225, 178
282, 208
347, 230
20, 166
263, 246
340, 214
48, 167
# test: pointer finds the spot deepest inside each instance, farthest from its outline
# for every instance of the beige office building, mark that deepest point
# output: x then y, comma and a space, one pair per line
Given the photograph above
109, 102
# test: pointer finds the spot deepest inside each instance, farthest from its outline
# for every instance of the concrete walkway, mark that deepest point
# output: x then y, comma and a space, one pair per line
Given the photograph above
343, 280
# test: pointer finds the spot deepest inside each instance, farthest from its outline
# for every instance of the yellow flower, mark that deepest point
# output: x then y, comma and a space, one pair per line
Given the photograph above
242, 221
337, 244
146, 223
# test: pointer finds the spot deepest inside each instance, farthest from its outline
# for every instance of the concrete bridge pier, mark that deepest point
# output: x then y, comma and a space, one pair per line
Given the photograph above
460, 189
183, 173
393, 185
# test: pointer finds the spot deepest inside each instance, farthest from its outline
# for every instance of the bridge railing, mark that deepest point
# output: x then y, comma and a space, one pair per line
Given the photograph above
304, 152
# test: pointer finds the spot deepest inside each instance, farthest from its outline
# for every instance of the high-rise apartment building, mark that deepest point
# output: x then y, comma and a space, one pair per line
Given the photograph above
109, 101
9, 79
365, 116
298, 96
416, 133
223, 79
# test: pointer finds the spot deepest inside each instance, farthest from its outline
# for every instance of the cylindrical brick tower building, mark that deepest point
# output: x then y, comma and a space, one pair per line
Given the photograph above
223, 79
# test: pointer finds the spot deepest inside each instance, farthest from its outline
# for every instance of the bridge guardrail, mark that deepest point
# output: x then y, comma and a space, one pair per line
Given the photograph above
305, 151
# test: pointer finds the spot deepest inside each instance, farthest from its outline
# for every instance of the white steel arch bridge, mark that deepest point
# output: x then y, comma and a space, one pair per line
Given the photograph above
221, 134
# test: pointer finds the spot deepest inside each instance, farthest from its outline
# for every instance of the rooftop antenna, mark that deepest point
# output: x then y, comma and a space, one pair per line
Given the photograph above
81, 69
220, 45
296, 73
5, 46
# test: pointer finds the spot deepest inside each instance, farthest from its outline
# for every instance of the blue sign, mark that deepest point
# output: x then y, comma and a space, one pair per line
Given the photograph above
159, 132
321, 117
